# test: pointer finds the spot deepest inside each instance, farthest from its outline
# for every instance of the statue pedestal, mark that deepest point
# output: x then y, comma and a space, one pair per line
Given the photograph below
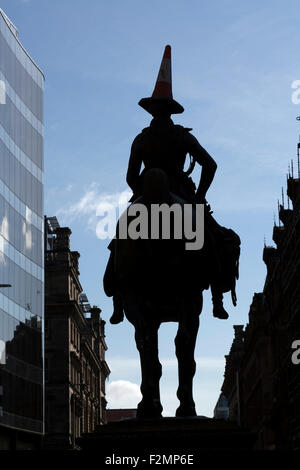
165, 436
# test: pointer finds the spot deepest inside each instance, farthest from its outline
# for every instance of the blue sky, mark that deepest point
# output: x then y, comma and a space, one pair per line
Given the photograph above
233, 66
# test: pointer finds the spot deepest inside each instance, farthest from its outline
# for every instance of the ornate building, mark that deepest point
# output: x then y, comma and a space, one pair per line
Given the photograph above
221, 410
75, 367
119, 414
261, 383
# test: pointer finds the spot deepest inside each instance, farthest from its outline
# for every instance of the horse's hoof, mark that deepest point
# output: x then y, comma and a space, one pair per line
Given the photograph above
148, 415
185, 411
151, 411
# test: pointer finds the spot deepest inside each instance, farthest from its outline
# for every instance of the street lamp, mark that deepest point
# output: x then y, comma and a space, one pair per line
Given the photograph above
5, 285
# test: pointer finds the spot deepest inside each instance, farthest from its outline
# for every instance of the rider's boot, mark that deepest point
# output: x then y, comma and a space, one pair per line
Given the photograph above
218, 308
118, 314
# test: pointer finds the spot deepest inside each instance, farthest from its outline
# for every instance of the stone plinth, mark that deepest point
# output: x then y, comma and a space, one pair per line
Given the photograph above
170, 434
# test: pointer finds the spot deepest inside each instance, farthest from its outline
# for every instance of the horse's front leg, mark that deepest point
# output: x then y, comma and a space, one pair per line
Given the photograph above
146, 337
185, 342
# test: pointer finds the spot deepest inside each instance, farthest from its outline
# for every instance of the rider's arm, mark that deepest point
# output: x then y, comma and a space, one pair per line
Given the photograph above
208, 164
134, 166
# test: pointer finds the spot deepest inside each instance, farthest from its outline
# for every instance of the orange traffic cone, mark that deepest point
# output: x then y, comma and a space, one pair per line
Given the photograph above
163, 88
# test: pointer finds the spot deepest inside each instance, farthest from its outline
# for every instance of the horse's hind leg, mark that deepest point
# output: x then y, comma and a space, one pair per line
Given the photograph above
185, 346
146, 337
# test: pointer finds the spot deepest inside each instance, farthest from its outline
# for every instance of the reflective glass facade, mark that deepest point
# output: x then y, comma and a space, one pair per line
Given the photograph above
21, 235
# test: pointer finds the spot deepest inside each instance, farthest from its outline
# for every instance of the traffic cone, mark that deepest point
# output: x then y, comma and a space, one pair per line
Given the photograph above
163, 88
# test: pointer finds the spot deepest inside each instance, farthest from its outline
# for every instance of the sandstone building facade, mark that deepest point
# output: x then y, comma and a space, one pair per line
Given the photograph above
261, 382
75, 366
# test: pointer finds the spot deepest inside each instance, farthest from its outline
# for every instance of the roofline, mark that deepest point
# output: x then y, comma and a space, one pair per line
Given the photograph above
9, 23
121, 409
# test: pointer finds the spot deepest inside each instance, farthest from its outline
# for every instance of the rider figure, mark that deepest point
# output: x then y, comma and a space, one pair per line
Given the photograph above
165, 145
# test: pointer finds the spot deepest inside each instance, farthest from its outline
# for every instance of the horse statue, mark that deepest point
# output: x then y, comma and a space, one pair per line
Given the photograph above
156, 279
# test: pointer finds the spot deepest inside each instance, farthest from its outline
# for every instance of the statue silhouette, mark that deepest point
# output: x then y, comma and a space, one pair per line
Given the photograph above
154, 281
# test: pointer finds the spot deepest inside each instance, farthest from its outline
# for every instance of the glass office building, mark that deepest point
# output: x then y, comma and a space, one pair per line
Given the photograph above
21, 238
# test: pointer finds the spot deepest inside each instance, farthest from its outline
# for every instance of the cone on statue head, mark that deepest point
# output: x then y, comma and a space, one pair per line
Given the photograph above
162, 93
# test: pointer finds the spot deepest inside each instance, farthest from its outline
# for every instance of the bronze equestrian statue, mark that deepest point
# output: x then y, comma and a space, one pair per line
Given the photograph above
153, 281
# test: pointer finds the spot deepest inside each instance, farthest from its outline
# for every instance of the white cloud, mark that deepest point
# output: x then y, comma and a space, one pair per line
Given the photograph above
123, 394
91, 204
